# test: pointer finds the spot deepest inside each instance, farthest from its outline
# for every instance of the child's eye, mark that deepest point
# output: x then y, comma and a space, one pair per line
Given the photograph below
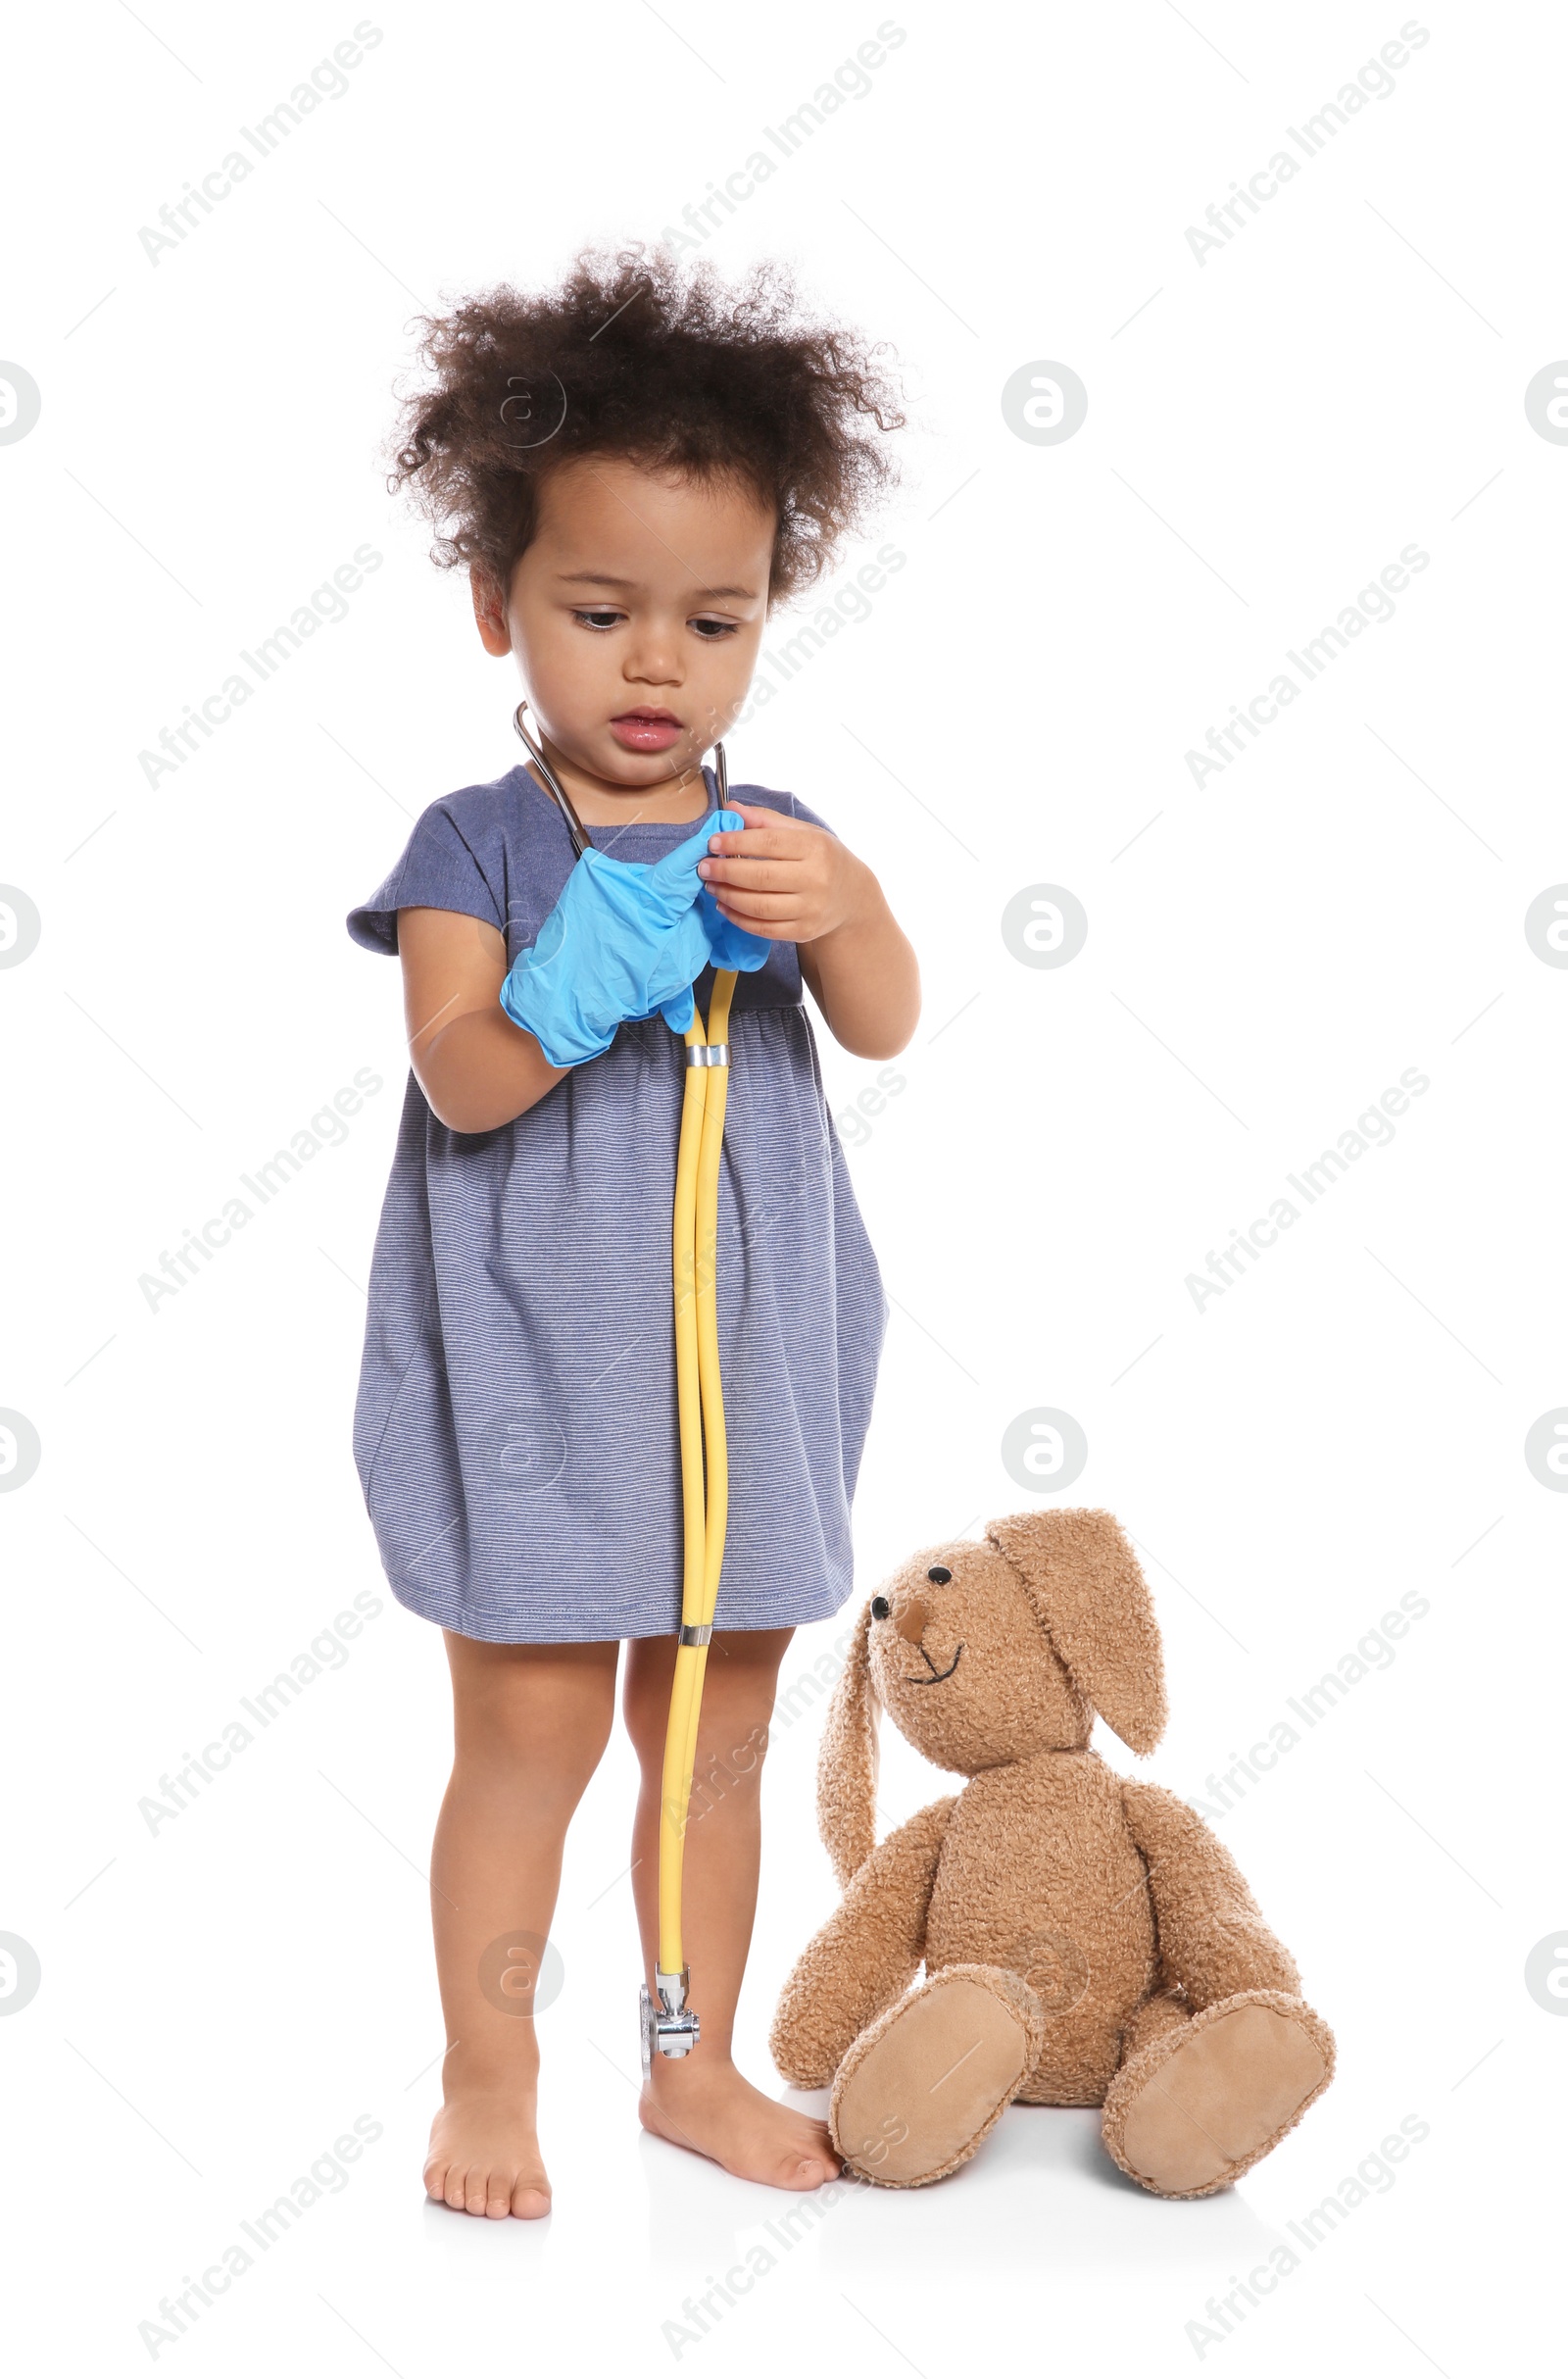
600, 619
712, 630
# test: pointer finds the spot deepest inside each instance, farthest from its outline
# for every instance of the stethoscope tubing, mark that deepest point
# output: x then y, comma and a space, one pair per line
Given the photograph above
669, 2023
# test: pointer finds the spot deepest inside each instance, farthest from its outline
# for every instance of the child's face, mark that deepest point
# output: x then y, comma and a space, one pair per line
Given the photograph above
635, 614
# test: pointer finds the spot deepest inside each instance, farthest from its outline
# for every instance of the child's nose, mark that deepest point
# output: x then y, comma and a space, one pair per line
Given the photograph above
654, 660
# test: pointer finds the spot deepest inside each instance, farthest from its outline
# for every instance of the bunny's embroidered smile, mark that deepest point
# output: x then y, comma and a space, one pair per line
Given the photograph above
938, 1676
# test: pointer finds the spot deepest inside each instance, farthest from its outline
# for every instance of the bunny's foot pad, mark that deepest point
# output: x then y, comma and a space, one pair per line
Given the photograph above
1195, 2110
923, 2085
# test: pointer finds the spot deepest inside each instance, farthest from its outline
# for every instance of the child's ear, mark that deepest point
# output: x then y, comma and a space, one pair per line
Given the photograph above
847, 1762
1089, 1596
490, 613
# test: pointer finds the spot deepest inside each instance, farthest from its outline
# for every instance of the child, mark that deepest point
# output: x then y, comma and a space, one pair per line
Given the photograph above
633, 469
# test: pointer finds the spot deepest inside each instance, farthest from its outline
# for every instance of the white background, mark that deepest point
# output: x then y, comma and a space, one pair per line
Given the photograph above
1265, 431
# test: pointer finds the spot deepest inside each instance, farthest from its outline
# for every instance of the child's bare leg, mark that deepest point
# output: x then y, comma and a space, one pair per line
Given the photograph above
529, 1724
701, 2101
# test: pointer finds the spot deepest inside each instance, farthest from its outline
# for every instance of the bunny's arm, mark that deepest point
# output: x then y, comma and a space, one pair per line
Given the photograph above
1213, 1938
865, 1954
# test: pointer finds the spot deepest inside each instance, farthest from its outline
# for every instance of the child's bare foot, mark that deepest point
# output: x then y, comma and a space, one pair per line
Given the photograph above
484, 2151
706, 2105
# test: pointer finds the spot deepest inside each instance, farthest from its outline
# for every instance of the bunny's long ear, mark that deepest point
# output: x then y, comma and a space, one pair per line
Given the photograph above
1089, 1596
846, 1763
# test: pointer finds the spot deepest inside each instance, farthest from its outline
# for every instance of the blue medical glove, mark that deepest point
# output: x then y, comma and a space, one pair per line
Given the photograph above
730, 945
622, 943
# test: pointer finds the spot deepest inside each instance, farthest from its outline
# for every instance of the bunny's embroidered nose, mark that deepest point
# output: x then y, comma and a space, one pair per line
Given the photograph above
911, 1619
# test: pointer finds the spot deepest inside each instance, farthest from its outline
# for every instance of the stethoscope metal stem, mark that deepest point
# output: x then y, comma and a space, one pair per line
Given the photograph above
574, 825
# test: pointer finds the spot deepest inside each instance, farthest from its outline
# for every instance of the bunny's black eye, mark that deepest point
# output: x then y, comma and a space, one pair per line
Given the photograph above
881, 1608
939, 1576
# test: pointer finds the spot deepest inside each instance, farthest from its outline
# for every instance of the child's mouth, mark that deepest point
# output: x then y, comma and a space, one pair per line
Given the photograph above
647, 731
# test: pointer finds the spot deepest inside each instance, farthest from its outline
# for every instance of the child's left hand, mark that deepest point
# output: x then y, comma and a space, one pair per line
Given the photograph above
782, 879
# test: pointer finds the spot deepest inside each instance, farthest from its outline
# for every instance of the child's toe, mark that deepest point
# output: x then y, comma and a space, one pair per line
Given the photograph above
529, 2201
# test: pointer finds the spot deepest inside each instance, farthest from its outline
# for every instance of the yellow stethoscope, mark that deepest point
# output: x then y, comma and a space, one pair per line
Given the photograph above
668, 2024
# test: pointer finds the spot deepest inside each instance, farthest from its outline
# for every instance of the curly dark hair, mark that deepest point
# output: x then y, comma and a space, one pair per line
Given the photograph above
633, 356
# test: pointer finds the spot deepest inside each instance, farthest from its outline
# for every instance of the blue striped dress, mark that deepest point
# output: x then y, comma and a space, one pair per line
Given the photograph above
515, 1431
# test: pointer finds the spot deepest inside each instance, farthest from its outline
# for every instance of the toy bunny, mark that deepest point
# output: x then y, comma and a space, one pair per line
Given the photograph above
1087, 1941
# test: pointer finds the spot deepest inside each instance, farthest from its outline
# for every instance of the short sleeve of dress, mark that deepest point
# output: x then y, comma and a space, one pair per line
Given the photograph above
441, 868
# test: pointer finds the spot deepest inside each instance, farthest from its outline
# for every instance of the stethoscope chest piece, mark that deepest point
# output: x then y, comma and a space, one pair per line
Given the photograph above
669, 2027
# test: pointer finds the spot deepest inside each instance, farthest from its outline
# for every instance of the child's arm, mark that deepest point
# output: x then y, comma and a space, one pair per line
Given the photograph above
791, 882
476, 1066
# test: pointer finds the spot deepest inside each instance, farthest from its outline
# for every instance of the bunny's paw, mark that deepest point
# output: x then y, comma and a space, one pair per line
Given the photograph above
923, 2085
1190, 2113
